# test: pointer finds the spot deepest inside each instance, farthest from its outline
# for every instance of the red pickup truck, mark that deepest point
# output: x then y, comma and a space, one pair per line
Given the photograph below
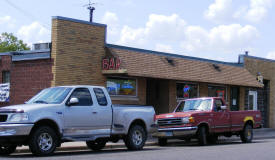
206, 119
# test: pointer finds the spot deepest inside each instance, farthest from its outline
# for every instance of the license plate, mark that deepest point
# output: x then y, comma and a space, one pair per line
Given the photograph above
169, 134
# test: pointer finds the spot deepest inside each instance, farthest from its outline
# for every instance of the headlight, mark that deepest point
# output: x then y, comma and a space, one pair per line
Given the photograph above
186, 120
19, 117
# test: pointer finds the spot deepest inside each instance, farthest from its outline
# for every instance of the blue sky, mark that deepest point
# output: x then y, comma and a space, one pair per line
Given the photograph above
214, 29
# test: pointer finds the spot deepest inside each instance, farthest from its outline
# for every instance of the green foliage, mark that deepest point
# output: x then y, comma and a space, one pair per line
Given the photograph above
8, 42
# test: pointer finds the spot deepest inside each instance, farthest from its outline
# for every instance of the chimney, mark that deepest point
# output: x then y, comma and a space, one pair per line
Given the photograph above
246, 53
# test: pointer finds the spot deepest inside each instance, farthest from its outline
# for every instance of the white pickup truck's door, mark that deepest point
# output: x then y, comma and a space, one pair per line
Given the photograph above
86, 117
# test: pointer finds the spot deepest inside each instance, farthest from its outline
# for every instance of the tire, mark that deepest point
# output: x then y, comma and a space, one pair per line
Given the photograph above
202, 136
7, 150
43, 141
212, 139
162, 141
96, 145
247, 134
136, 138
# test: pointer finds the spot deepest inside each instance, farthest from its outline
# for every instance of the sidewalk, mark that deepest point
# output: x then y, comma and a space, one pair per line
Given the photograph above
263, 133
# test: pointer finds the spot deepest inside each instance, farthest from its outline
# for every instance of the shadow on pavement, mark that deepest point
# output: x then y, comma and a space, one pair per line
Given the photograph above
193, 143
77, 152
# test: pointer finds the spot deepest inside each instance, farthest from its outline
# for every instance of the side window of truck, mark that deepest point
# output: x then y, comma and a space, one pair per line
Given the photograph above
84, 97
100, 96
217, 105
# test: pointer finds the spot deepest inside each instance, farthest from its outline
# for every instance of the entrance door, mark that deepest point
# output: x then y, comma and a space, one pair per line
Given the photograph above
157, 95
252, 100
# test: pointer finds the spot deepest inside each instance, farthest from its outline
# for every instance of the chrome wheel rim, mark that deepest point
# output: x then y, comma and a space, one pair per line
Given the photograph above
137, 137
45, 141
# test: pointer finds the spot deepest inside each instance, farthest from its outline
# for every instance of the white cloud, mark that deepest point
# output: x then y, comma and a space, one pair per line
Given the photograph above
172, 29
224, 38
7, 21
160, 27
111, 20
164, 48
258, 10
219, 10
33, 33
271, 55
255, 12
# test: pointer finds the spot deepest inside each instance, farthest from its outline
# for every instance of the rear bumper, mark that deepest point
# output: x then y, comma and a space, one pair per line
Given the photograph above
175, 132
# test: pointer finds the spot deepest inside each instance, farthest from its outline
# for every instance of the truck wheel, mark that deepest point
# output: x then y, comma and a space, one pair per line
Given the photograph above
247, 134
7, 150
202, 137
162, 141
43, 141
135, 140
96, 145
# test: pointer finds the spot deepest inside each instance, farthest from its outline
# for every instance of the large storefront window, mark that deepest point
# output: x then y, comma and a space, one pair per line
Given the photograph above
217, 91
121, 86
187, 90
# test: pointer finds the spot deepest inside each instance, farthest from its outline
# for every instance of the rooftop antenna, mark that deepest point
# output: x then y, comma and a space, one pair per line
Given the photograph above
91, 8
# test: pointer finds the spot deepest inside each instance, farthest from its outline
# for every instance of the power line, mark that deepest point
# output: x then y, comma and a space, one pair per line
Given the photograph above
27, 14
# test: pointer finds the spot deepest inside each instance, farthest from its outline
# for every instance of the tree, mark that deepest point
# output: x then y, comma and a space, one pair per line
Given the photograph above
9, 42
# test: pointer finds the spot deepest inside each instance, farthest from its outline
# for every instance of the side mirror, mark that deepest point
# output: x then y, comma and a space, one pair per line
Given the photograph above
73, 101
223, 107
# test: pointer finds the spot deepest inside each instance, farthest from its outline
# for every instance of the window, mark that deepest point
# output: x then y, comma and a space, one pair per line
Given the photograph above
100, 96
121, 86
84, 97
6, 77
217, 91
187, 90
54, 95
194, 105
218, 103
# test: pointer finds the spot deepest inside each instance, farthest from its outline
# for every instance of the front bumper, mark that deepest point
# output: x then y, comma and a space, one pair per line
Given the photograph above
175, 132
15, 129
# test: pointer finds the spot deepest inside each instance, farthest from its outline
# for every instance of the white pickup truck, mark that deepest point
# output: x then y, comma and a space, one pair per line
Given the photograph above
73, 113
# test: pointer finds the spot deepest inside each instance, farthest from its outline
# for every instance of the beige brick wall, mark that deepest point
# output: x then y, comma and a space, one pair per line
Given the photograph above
242, 98
172, 95
267, 69
203, 90
77, 50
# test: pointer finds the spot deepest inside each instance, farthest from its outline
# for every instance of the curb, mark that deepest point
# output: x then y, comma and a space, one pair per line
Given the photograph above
84, 147
152, 142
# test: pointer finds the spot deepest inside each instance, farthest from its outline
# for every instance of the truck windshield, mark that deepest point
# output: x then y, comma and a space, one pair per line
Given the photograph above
50, 96
194, 105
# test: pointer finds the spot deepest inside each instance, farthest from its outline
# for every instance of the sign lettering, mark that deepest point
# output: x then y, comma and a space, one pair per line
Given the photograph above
111, 64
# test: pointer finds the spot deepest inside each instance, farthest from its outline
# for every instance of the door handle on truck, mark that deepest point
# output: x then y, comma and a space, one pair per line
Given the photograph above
94, 112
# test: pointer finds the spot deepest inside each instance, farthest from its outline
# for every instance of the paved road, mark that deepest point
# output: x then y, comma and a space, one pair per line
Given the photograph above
226, 150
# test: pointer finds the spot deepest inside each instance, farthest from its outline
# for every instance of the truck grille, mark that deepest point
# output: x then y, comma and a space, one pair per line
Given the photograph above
3, 118
170, 122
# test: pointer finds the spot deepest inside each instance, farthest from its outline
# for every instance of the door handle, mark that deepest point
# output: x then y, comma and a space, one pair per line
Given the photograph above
94, 112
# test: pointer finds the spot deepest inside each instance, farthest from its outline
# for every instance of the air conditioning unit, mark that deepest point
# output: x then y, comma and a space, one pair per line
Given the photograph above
41, 46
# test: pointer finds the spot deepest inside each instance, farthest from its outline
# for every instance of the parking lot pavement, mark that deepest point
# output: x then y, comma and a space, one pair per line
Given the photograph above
263, 133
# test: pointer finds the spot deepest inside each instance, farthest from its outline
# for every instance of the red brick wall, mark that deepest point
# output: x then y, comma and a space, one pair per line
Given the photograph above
27, 78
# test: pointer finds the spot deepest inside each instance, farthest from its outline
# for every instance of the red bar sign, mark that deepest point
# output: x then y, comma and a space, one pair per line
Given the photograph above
111, 63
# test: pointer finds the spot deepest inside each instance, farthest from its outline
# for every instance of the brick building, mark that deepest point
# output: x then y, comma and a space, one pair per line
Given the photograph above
79, 54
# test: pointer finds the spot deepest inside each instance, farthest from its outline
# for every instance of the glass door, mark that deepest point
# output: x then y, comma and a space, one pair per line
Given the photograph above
252, 100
